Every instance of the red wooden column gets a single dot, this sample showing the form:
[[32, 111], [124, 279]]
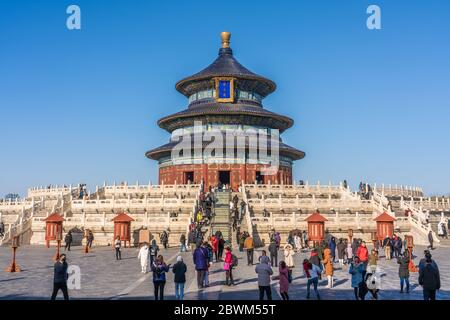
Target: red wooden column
[[53, 228], [122, 228], [316, 227], [385, 226]]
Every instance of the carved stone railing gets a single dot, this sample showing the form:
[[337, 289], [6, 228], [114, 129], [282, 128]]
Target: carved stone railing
[[49, 192]]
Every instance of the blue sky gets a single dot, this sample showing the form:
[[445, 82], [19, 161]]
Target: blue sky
[[81, 106]]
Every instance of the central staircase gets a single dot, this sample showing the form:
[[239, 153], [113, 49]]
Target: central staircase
[[221, 220]]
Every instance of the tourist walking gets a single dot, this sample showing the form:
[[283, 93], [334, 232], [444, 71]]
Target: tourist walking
[[249, 246], [273, 253], [298, 242], [284, 280], [289, 259], [143, 257], [387, 247], [164, 238], [183, 243], [430, 240], [305, 239], [332, 247], [349, 253], [2, 229], [341, 252], [90, 239], [153, 251], [277, 237], [159, 269], [403, 271], [328, 265], [242, 241], [228, 265], [209, 252], [373, 261], [68, 239], [179, 269], [357, 271], [264, 272], [363, 255], [221, 244], [312, 273], [429, 279], [200, 257], [60, 277], [215, 247], [117, 247]]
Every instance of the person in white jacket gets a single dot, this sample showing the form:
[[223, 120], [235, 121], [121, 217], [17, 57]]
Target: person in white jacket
[[289, 259], [143, 256]]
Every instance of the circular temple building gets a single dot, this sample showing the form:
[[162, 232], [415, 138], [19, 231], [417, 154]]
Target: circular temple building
[[225, 98]]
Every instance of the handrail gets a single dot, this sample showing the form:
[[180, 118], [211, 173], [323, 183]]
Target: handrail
[[418, 218], [21, 225], [247, 211]]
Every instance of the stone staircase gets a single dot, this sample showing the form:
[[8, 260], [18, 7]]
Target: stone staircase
[[435, 218], [221, 220]]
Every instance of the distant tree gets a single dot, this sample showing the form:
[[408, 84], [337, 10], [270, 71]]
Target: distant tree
[[12, 196]]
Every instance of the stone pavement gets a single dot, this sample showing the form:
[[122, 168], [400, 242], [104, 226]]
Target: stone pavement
[[102, 277]]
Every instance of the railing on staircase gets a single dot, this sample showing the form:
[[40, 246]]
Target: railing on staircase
[[418, 218], [22, 224], [381, 203], [247, 211], [194, 209]]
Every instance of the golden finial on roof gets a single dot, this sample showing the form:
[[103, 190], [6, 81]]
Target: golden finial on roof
[[225, 39]]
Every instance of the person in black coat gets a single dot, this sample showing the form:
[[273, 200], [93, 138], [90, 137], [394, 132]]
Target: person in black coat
[[403, 271], [273, 253], [68, 240], [429, 279], [430, 240], [179, 269], [60, 277]]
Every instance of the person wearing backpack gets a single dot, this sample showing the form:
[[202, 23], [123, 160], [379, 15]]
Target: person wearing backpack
[[228, 267], [159, 268], [403, 271], [429, 278]]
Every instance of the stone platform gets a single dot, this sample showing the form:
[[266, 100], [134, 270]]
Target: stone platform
[[102, 277]]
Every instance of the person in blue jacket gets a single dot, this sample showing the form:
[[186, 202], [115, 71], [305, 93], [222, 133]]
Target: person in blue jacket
[[201, 262], [357, 271], [332, 247]]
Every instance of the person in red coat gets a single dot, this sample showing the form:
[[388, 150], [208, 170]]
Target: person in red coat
[[363, 255], [215, 247], [228, 267]]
